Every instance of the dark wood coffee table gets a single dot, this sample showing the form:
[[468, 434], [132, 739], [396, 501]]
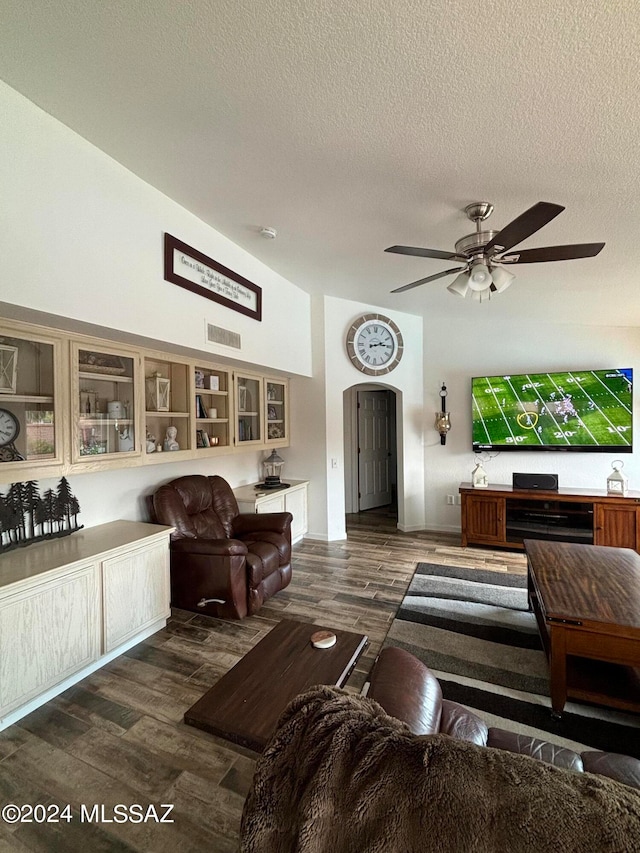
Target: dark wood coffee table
[[245, 704], [586, 599]]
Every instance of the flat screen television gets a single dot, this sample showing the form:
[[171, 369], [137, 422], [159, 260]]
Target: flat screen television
[[581, 410]]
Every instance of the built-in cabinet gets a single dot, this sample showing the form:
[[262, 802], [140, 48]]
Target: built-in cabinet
[[69, 605], [503, 516], [292, 499], [31, 402], [71, 403]]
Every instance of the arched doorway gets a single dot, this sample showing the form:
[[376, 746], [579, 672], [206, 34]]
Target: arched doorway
[[370, 449]]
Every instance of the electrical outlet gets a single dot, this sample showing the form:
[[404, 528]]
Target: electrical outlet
[[450, 500]]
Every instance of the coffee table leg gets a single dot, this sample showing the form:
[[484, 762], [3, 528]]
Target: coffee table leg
[[558, 671]]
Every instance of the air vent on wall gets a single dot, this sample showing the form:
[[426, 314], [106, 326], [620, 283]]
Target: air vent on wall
[[217, 335]]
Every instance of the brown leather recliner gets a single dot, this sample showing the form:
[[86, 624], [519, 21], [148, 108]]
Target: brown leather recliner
[[223, 563]]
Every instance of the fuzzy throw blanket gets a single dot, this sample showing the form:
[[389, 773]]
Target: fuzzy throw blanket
[[341, 776]]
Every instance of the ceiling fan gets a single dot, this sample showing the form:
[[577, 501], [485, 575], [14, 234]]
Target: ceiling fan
[[484, 252]]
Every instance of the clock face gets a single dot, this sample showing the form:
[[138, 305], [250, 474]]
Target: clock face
[[374, 344], [9, 427]]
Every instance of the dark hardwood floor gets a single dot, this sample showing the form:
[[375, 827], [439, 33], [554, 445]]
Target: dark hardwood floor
[[118, 737]]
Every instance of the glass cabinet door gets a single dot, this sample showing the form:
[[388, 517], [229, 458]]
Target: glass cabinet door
[[277, 411], [105, 403], [249, 409], [30, 432]]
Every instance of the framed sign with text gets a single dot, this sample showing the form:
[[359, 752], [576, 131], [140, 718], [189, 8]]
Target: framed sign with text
[[189, 268]]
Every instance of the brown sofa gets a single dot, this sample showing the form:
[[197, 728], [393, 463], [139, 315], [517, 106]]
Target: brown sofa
[[223, 563], [409, 691], [340, 775]]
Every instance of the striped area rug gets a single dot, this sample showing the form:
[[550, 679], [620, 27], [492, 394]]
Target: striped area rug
[[473, 629]]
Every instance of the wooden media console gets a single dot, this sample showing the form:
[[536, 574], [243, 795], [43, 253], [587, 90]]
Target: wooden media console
[[504, 517]]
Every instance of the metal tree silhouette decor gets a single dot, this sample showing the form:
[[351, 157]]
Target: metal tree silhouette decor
[[26, 516]]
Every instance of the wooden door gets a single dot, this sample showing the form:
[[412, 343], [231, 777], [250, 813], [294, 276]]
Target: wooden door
[[616, 525], [374, 449]]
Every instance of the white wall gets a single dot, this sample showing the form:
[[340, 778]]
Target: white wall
[[307, 455], [405, 380], [83, 238], [109, 495], [465, 349]]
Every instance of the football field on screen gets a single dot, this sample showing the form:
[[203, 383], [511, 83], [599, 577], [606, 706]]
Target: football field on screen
[[580, 408]]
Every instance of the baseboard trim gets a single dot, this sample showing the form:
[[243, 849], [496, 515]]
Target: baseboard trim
[[429, 528]]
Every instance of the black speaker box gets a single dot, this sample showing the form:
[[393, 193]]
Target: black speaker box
[[548, 482]]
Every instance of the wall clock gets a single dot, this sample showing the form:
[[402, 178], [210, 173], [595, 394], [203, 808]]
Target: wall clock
[[374, 344], [9, 431]]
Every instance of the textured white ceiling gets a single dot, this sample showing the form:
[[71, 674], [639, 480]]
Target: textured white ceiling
[[350, 127]]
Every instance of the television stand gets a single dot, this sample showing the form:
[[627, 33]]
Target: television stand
[[503, 517]]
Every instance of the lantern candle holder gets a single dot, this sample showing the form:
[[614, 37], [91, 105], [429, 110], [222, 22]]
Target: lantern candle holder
[[617, 483], [272, 466]]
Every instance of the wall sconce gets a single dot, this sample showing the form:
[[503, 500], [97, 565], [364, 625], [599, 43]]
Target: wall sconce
[[443, 422]]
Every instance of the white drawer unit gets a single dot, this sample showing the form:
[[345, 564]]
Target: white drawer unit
[[293, 500], [70, 605]]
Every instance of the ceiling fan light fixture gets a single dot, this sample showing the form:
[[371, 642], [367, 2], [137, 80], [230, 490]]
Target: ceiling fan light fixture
[[460, 284], [479, 277], [501, 278], [484, 272]]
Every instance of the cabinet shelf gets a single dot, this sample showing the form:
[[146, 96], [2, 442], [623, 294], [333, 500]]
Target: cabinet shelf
[[105, 421], [210, 392], [25, 398], [166, 414], [105, 377]]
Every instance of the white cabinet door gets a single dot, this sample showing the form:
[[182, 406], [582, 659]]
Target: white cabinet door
[[135, 592], [295, 502], [48, 632]]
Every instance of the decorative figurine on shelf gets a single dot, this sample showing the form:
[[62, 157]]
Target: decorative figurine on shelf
[[479, 479], [170, 442], [151, 442]]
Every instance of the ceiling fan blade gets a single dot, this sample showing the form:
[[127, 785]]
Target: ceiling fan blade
[[427, 279], [426, 253], [552, 253], [523, 226]]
